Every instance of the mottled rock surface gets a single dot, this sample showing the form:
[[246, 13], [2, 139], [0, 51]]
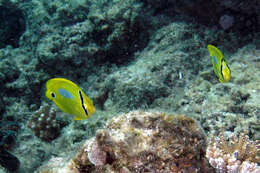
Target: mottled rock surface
[[128, 54], [140, 142], [12, 25]]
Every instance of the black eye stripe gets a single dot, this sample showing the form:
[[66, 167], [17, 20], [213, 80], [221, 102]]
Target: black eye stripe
[[53, 95], [82, 103]]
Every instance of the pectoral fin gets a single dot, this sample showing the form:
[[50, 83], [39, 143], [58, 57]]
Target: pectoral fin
[[77, 118]]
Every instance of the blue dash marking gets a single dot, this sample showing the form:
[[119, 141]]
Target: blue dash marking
[[215, 60], [65, 93]]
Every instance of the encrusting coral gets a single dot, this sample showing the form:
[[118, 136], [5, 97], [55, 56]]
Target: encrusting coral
[[139, 142], [239, 155], [44, 124]]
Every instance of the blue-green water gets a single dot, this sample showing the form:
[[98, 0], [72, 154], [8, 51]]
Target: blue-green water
[[125, 55]]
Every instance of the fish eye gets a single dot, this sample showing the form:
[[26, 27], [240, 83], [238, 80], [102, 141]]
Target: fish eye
[[52, 95]]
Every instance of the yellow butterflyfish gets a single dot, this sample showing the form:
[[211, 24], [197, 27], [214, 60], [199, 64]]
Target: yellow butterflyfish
[[69, 98], [220, 65]]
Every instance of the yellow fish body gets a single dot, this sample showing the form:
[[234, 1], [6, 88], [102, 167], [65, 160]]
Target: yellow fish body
[[220, 65], [69, 98]]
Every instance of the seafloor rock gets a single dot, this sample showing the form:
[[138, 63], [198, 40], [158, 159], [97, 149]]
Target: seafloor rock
[[239, 15], [161, 70], [8, 131], [89, 31], [231, 107], [12, 25], [9, 71], [139, 142], [8, 161]]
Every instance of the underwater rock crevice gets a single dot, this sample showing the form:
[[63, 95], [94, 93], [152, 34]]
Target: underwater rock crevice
[[12, 25], [8, 131]]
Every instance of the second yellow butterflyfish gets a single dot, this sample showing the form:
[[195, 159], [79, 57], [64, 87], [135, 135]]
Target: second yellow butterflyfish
[[220, 64], [69, 98]]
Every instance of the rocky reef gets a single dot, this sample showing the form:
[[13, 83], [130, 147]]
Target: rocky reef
[[12, 24], [139, 142], [8, 133], [126, 55], [237, 155], [236, 15], [230, 107]]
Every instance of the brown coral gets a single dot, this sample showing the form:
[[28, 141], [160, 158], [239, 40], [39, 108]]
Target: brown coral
[[141, 142], [44, 124]]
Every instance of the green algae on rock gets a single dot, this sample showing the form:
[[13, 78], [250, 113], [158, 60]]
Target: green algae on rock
[[139, 142], [232, 107], [12, 24]]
